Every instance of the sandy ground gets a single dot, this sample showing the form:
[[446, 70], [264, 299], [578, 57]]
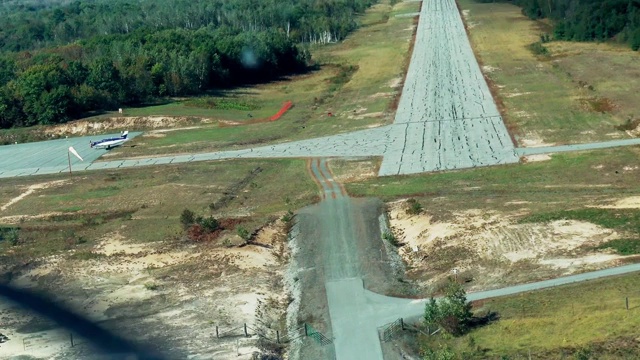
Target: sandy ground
[[632, 202], [492, 244], [88, 127], [171, 296], [538, 157]]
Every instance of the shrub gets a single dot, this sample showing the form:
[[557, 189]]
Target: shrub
[[538, 49], [187, 218], [13, 237], [388, 236], [244, 233], [414, 207], [287, 217], [151, 286], [209, 224], [453, 313]]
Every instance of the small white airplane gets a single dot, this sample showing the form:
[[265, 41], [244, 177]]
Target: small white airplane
[[109, 143]]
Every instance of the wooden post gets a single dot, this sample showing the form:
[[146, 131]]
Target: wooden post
[[306, 332], [71, 338], [245, 330], [627, 302], [69, 158], [402, 324], [277, 336], [217, 334]]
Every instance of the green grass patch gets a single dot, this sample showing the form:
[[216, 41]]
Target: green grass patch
[[144, 204], [555, 323], [566, 181], [219, 103], [95, 193], [617, 219], [622, 246]]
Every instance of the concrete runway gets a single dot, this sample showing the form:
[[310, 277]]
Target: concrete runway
[[446, 117], [49, 157], [446, 120]]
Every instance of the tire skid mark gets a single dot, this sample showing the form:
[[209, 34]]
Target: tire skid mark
[[315, 178]]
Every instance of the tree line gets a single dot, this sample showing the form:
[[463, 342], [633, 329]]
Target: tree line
[[130, 52], [26, 27], [588, 20], [58, 84]]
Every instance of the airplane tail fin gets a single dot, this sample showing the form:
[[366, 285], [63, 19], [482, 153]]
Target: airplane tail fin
[[124, 134]]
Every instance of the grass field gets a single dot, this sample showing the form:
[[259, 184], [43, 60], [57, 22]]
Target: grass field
[[566, 181], [577, 93], [560, 323], [145, 204]]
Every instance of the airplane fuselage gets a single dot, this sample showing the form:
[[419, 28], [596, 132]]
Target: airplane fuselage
[[110, 143]]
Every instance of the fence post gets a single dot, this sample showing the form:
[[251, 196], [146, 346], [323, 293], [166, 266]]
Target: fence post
[[402, 324], [626, 299], [277, 336], [217, 334], [306, 332], [245, 330], [71, 338]]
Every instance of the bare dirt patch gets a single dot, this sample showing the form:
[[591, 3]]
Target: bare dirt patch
[[366, 115], [397, 82], [533, 140], [170, 294], [489, 68], [492, 244], [598, 104], [632, 202], [88, 127], [631, 127], [538, 157], [345, 171]]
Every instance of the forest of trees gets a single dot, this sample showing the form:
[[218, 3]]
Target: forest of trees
[[61, 59], [588, 20]]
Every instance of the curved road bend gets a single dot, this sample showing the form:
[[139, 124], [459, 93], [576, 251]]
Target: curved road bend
[[355, 312]]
